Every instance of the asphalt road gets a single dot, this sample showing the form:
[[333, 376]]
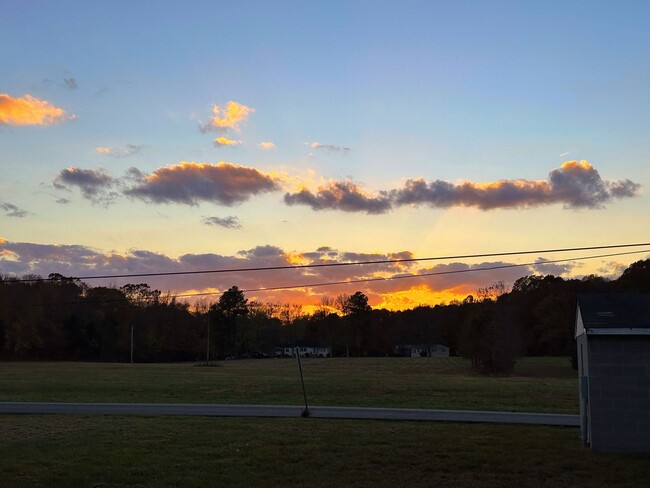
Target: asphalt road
[[289, 411]]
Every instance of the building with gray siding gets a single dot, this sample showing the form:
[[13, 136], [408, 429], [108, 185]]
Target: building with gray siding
[[613, 340]]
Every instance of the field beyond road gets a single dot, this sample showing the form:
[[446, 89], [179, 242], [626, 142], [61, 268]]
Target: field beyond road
[[537, 384]]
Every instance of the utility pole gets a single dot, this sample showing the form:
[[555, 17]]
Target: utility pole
[[305, 412], [207, 353]]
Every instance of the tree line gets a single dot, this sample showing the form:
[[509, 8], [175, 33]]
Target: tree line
[[63, 318]]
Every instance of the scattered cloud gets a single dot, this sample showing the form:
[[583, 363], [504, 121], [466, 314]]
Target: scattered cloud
[[95, 185], [340, 195], [228, 117], [542, 266], [190, 183], [224, 141], [13, 211], [612, 269], [266, 145], [102, 92], [28, 110], [119, 152], [70, 83], [327, 147], [62, 201], [227, 222]]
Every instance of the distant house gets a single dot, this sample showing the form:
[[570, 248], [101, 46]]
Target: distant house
[[274, 352], [422, 351], [308, 349], [613, 339]]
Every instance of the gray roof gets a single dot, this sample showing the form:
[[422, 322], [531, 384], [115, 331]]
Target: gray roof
[[615, 310]]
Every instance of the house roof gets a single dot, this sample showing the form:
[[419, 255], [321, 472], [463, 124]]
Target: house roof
[[614, 313]]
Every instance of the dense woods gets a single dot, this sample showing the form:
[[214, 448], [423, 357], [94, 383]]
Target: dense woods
[[62, 318]]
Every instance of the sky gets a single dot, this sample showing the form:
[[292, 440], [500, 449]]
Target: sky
[[152, 137]]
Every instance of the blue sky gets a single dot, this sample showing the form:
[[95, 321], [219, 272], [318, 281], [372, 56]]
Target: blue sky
[[454, 92]]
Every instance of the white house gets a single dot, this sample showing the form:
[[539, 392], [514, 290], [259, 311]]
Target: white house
[[308, 349], [422, 351]]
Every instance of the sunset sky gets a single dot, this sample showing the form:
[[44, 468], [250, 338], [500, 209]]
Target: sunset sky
[[149, 136]]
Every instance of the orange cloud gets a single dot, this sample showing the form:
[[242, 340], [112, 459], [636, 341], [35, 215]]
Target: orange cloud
[[28, 110], [266, 145], [224, 141], [415, 296], [227, 118]]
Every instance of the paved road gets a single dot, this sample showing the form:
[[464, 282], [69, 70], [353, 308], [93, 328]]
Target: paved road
[[290, 411]]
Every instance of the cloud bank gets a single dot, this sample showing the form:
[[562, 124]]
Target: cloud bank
[[412, 283], [28, 110], [575, 185], [449, 279]]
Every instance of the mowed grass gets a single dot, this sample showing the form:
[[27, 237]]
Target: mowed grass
[[537, 384], [165, 451], [59, 451]]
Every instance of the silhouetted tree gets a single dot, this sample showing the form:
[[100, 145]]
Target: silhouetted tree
[[224, 315], [636, 277], [357, 315], [490, 338]]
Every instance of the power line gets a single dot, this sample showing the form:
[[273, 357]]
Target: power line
[[349, 282], [355, 263], [436, 273]]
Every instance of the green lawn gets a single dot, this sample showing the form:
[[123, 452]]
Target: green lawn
[[147, 451], [538, 384], [60, 451]]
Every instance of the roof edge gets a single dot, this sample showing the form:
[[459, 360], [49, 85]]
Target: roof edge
[[618, 331]]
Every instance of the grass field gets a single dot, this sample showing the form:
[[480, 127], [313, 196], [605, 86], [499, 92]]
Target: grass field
[[108, 451], [147, 451], [538, 384]]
